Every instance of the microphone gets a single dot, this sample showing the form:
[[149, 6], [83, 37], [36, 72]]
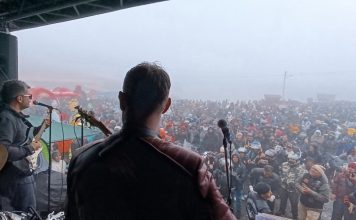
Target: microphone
[[42, 104], [225, 130]]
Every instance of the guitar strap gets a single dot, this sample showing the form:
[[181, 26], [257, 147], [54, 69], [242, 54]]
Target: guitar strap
[[29, 125]]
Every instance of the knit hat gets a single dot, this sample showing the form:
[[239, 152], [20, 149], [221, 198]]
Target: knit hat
[[319, 168]]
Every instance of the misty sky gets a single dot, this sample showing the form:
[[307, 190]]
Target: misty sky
[[212, 49]]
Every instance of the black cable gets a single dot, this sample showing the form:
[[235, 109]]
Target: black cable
[[62, 179]]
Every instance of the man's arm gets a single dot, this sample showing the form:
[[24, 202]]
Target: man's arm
[[323, 194], [7, 133]]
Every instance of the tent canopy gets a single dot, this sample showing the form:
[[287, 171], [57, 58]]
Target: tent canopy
[[69, 131]]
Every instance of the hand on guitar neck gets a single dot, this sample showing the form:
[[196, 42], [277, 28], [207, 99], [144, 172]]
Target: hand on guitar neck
[[47, 122]]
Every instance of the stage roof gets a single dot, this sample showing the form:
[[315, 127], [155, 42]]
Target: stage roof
[[22, 14]]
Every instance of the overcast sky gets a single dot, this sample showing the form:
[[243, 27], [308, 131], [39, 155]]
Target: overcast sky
[[212, 49]]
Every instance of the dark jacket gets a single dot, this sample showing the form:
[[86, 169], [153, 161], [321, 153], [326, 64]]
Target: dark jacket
[[134, 175], [257, 176], [261, 204], [238, 174], [320, 188], [16, 135], [13, 133], [16, 179]]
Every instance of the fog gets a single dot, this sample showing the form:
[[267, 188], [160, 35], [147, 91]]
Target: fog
[[228, 49]]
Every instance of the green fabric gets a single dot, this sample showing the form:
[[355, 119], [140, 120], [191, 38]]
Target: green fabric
[[68, 130], [44, 149]]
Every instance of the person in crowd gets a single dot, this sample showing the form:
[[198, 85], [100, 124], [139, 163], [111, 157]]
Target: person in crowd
[[257, 200], [352, 196], [308, 163], [220, 177], [242, 155], [17, 184], [141, 176], [193, 135], [239, 173], [315, 192], [210, 161], [211, 141], [341, 187], [266, 175], [290, 172], [239, 140], [270, 156], [317, 138], [314, 153], [351, 157], [329, 145], [305, 124], [58, 164], [254, 154]]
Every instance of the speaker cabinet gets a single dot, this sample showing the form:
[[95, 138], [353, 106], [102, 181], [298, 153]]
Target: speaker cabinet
[[8, 57]]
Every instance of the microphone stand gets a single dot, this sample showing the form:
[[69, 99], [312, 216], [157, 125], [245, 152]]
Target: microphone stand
[[50, 110], [227, 171], [230, 186], [82, 131]]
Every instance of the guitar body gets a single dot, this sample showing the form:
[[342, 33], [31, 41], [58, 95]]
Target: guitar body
[[32, 159], [23, 166], [28, 165]]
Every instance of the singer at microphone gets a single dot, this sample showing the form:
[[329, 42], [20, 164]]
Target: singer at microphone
[[42, 104], [225, 130]]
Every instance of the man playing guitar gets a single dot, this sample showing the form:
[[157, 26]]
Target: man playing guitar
[[17, 187]]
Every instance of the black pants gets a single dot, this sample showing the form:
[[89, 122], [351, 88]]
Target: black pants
[[19, 195], [293, 199]]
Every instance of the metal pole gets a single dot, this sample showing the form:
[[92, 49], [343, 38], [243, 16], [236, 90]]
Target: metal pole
[[284, 85], [49, 160]]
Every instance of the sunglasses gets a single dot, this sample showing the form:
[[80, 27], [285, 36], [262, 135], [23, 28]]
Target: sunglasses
[[29, 96]]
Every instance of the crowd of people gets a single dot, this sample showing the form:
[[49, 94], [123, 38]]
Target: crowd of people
[[301, 153], [272, 142], [306, 153]]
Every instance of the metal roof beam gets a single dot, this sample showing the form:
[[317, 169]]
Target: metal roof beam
[[44, 20], [60, 15], [100, 6], [27, 21], [76, 10], [45, 10]]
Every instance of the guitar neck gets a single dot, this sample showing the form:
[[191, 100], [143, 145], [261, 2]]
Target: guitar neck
[[40, 132], [104, 129], [93, 121]]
